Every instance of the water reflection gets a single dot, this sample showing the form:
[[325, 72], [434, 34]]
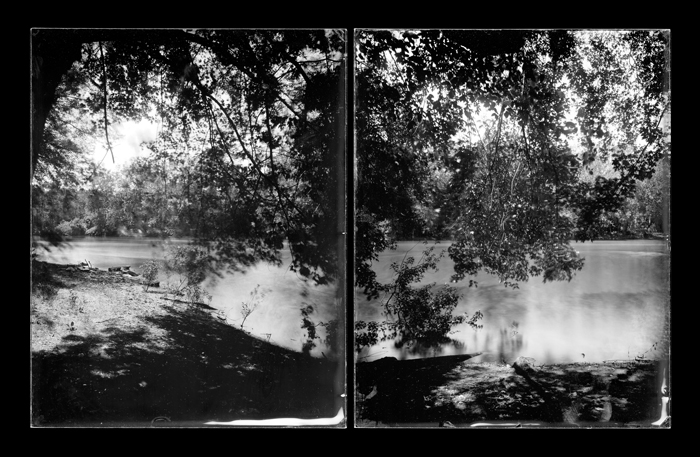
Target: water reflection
[[416, 349], [614, 308], [276, 317]]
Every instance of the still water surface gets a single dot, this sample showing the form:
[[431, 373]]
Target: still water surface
[[613, 309], [278, 315]]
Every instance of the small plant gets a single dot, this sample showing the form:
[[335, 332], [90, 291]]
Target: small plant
[[196, 293], [256, 296], [150, 273]]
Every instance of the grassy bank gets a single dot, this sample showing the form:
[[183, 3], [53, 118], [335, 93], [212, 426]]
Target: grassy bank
[[106, 352]]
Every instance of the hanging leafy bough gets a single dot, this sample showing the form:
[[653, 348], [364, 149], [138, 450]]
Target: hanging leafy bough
[[420, 315], [482, 137], [332, 328]]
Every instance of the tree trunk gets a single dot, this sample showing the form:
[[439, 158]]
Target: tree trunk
[[53, 53]]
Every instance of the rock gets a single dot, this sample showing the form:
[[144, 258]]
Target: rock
[[607, 412], [526, 363], [372, 394]]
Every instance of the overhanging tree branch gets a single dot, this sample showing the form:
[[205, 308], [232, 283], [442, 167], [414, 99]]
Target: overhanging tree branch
[[250, 157], [104, 105]]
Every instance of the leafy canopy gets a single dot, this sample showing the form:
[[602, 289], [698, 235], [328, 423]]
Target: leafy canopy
[[250, 127], [482, 137]]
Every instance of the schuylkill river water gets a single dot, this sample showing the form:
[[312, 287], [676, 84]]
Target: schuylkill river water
[[613, 309], [278, 315]]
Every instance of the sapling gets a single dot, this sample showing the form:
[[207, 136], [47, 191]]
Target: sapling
[[256, 296]]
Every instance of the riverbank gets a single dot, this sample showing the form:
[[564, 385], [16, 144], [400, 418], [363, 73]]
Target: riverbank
[[456, 392], [106, 352]]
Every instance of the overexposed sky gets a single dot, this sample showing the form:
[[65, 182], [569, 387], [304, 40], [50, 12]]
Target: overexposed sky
[[126, 143]]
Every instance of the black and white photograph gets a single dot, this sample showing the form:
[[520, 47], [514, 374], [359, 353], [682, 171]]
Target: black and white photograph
[[512, 228], [350, 228], [188, 227]]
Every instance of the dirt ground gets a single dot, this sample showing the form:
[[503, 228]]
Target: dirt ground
[[105, 352], [454, 392]]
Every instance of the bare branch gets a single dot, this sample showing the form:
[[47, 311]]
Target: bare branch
[[104, 106]]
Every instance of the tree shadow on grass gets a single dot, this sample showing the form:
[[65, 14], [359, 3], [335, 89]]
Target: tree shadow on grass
[[44, 280], [185, 366], [431, 391]]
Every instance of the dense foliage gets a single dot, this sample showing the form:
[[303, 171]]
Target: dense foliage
[[414, 314], [250, 144], [508, 143], [491, 138]]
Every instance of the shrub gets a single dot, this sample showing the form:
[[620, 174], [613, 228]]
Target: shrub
[[196, 293], [75, 227], [150, 273]]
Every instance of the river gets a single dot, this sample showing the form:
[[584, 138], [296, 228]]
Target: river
[[613, 308], [277, 318]]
